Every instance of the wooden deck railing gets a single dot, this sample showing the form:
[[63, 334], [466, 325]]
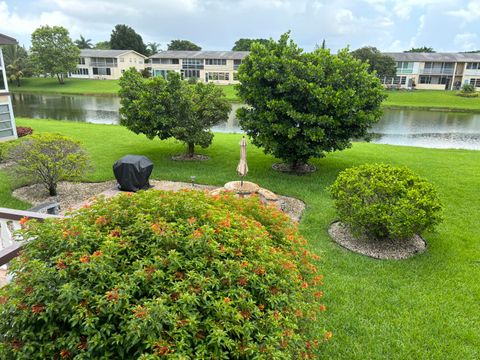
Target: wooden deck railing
[[10, 244]]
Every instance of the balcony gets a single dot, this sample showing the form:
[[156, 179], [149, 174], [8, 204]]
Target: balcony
[[102, 64], [436, 71]]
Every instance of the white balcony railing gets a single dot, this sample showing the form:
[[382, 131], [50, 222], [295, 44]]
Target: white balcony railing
[[436, 71]]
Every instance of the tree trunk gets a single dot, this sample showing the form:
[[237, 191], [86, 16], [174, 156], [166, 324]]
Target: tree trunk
[[18, 82], [295, 165], [190, 149], [52, 189], [60, 78]]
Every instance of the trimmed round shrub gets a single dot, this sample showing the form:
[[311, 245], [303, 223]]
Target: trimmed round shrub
[[157, 274], [385, 202]]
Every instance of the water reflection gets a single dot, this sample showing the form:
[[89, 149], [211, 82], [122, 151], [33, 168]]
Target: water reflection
[[433, 129]]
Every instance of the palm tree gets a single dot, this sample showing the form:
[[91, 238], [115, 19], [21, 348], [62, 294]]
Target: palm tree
[[83, 43], [153, 48], [17, 64]]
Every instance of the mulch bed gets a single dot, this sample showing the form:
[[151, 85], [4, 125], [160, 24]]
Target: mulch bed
[[378, 249], [287, 168], [195, 157]]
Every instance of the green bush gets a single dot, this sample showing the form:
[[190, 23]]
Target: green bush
[[4, 147], [182, 275], [385, 202], [468, 90], [47, 159]]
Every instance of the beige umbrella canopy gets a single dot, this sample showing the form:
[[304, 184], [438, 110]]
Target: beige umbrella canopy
[[242, 168]]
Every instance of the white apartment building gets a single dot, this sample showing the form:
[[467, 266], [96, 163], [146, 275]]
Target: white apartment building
[[107, 64], [219, 67], [8, 130], [435, 71]]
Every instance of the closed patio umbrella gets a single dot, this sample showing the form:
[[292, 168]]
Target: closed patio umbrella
[[242, 168]]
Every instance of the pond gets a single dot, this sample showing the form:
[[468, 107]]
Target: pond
[[434, 129]]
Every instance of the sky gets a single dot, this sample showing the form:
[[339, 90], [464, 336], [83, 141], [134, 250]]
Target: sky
[[389, 25]]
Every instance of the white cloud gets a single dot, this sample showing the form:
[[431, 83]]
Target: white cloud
[[470, 13], [466, 41]]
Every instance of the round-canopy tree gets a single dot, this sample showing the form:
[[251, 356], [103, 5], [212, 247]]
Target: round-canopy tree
[[172, 108], [301, 105]]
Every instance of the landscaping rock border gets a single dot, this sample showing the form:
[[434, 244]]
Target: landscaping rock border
[[286, 168], [195, 157], [384, 250]]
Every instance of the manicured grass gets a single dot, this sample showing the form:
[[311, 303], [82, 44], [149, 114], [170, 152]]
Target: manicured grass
[[230, 93], [71, 86], [422, 308], [431, 99]]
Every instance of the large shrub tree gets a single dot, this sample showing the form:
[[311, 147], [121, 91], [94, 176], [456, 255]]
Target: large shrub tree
[[83, 43], [172, 108], [17, 63], [301, 105], [123, 37], [164, 275], [53, 51], [183, 45], [47, 159], [382, 64], [244, 44]]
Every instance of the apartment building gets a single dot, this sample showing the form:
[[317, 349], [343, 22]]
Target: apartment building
[[8, 130], [435, 71], [219, 67], [107, 64]]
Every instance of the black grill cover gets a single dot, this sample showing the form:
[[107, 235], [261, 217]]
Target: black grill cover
[[132, 172]]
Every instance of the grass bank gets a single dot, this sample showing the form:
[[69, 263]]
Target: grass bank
[[422, 308]]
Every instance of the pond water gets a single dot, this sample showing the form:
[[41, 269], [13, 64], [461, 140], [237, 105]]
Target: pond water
[[434, 129]]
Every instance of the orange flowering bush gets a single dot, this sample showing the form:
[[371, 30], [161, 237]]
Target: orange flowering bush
[[164, 275]]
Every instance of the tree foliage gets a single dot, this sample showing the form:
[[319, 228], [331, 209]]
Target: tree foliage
[[384, 65], [174, 275], [183, 45], [17, 63], [153, 48], [172, 108], [103, 45], [123, 37], [83, 43], [47, 159], [245, 44], [423, 49], [53, 52], [301, 105]]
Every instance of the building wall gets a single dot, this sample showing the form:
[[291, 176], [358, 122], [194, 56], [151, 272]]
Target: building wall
[[8, 130], [124, 62]]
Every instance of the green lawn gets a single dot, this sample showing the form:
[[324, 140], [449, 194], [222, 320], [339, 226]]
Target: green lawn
[[431, 99], [71, 86], [426, 307]]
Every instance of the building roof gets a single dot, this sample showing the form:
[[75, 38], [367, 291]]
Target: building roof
[[106, 53], [229, 55], [443, 57], [7, 40]]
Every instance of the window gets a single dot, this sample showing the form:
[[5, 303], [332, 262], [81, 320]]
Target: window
[[215, 62], [3, 86], [211, 76], [475, 82], [101, 71], [80, 71], [404, 67], [236, 64], [81, 61], [192, 64], [473, 66], [425, 79], [6, 128], [166, 61], [187, 74], [162, 73]]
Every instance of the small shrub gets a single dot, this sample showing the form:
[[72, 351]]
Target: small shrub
[[192, 80], [24, 131], [47, 159], [385, 202], [468, 90], [4, 148], [181, 275]]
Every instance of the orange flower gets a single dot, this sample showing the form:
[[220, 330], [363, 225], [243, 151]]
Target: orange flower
[[227, 300], [112, 295], [161, 349], [37, 309], [197, 234], [85, 259], [298, 313], [322, 307], [225, 223], [245, 314], [319, 294], [242, 281], [97, 253], [101, 220], [244, 264], [65, 354], [3, 299], [261, 307], [115, 233], [140, 312], [24, 220], [328, 335], [192, 220], [260, 271], [304, 285]]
